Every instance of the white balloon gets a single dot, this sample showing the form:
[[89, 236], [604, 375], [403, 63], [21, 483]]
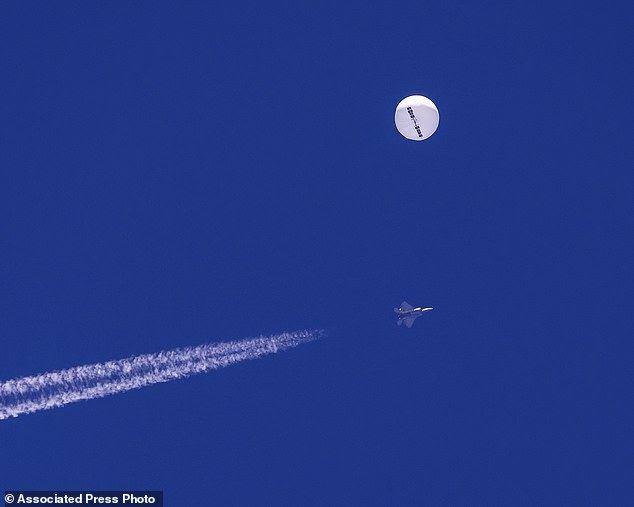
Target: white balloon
[[416, 117]]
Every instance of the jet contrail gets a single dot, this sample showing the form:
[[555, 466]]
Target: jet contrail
[[55, 389]]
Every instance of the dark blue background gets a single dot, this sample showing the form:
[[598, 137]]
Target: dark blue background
[[173, 174]]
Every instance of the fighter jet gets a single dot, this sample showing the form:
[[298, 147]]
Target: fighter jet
[[408, 314]]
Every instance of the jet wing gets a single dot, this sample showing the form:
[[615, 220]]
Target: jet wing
[[406, 307], [409, 321]]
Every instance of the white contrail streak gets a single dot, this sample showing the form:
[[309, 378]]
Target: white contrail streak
[[55, 389]]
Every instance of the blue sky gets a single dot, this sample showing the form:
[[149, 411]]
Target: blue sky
[[179, 174]]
